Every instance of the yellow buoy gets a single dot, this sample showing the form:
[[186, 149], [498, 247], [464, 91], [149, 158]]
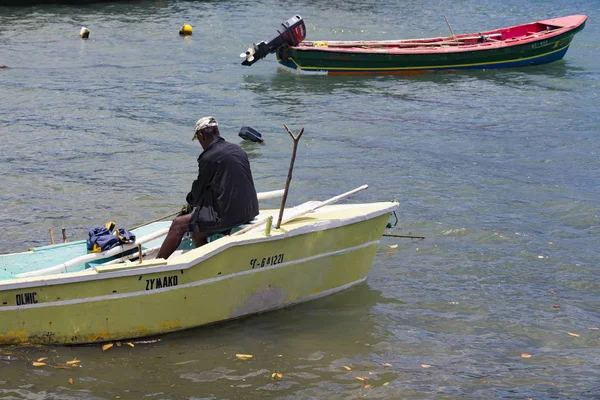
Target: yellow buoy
[[84, 33], [185, 30]]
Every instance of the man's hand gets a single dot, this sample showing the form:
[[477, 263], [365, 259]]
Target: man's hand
[[186, 209]]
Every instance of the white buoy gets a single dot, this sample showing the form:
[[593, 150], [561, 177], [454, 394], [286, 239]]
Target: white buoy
[[84, 33]]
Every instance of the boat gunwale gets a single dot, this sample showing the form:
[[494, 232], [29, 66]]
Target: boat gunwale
[[92, 274], [393, 49]]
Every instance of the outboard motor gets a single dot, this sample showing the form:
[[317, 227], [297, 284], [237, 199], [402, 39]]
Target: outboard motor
[[291, 32]]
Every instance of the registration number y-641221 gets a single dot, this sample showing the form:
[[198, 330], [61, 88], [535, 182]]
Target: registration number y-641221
[[266, 261]]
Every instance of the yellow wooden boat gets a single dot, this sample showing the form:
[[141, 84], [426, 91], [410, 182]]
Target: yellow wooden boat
[[61, 295]]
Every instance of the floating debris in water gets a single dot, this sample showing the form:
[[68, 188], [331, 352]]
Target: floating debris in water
[[148, 341], [251, 134]]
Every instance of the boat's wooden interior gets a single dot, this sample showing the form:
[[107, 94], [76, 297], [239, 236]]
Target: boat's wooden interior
[[519, 32]]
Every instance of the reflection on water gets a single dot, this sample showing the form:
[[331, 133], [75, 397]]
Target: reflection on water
[[306, 343], [284, 79], [293, 91]]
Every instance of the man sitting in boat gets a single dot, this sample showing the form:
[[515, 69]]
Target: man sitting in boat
[[222, 197]]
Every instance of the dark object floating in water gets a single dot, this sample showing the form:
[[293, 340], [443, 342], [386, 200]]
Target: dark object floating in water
[[248, 133]]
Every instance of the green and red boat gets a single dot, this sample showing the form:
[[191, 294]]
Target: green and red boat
[[534, 43]]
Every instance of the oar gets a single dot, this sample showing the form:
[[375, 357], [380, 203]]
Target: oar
[[156, 220], [399, 44], [405, 42], [273, 194], [301, 210], [451, 31], [64, 267], [291, 214]]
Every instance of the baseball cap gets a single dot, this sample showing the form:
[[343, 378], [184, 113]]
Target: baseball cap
[[203, 123]]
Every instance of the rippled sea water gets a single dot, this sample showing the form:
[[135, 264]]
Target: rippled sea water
[[498, 169]]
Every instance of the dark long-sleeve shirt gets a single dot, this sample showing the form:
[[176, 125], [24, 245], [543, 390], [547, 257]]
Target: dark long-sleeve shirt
[[223, 195]]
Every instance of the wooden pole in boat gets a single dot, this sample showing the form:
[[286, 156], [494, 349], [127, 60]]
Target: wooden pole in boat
[[140, 253], [403, 236], [296, 139], [295, 213], [51, 236], [451, 31]]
